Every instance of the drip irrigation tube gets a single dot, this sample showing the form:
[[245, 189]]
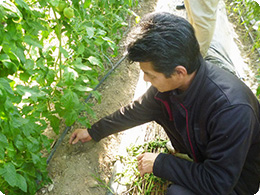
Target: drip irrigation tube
[[90, 95]]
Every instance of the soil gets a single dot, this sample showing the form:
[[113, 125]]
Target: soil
[[85, 169]]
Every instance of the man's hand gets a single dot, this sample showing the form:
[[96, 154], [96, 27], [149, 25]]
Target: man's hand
[[80, 135], [145, 162]]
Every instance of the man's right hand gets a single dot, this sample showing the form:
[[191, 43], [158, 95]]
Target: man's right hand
[[80, 135]]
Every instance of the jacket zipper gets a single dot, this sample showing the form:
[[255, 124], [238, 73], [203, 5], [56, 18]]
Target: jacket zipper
[[166, 104]]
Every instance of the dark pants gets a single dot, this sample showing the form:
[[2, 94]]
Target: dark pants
[[178, 190]]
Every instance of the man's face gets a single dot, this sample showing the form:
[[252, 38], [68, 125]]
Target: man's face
[[158, 80]]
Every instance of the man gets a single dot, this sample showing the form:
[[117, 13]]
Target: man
[[206, 112]]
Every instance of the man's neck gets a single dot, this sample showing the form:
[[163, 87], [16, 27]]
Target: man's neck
[[187, 82]]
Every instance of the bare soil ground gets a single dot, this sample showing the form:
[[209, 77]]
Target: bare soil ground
[[85, 169]]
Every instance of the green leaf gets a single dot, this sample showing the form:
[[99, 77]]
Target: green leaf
[[81, 49], [64, 52], [10, 66], [82, 66], [90, 32], [9, 174], [69, 77], [25, 76], [258, 91], [18, 142], [12, 10], [2, 153], [93, 60], [6, 86], [69, 99], [99, 23], [33, 145], [46, 142], [33, 93], [70, 117], [97, 96], [21, 182], [111, 43], [87, 3], [20, 54], [3, 96], [3, 141], [54, 3], [22, 4], [55, 123], [4, 57], [11, 152], [50, 76], [101, 32], [29, 64], [90, 111], [83, 88], [30, 41], [35, 158], [99, 41], [17, 121]]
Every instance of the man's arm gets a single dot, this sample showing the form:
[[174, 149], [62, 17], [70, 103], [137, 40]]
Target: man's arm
[[143, 110]]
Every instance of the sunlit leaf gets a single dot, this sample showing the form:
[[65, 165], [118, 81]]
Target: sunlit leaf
[[90, 32], [83, 88], [82, 66], [93, 60]]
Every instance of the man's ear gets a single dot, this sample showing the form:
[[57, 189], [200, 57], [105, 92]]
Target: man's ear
[[181, 70]]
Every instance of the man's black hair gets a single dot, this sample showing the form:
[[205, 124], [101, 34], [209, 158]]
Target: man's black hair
[[166, 41]]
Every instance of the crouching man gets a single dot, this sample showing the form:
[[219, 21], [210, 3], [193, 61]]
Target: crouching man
[[206, 112]]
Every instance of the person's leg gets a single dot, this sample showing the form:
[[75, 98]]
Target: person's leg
[[202, 16], [178, 190]]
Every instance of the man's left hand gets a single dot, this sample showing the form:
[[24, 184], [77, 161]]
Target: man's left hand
[[145, 162]]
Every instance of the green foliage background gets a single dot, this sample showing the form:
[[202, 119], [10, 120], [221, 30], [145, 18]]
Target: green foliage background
[[249, 10], [50, 60]]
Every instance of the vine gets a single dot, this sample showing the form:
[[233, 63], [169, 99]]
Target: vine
[[52, 54]]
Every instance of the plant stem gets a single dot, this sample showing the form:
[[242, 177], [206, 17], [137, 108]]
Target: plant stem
[[59, 26]]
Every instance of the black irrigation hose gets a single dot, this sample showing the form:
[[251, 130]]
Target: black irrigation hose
[[90, 95]]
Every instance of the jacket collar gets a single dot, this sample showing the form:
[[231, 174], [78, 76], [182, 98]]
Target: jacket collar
[[188, 96]]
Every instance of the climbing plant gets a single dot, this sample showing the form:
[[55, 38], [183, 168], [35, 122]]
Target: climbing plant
[[52, 54]]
